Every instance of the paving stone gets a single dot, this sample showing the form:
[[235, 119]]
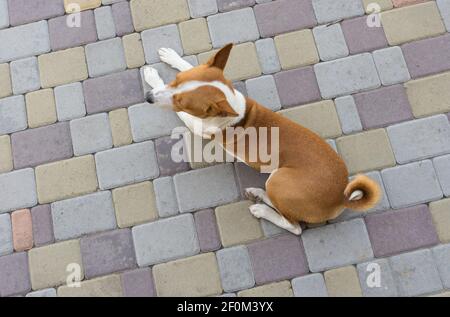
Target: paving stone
[[41, 108], [391, 66], [138, 283], [401, 3], [24, 41], [107, 253], [6, 159], [48, 292], [441, 165], [49, 264], [281, 289], [120, 127], [337, 245], [264, 91], [442, 257], [81, 5], [4, 14], [248, 177], [230, 5], [271, 230], [70, 102], [347, 75], [113, 91], [22, 230], [415, 273], [91, 134], [14, 276], [165, 36], [6, 243], [411, 184], [66, 179], [17, 190], [440, 212], [333, 10], [167, 165], [42, 225], [420, 139], [296, 49], [348, 115], [134, 51], [195, 36], [25, 75], [268, 56], [312, 285], [444, 8], [13, 115], [235, 269], [135, 204], [104, 22], [63, 67], [165, 240], [343, 282], [383, 5], [122, 17], [166, 199], [207, 231], [105, 57], [374, 285], [330, 42], [23, 12], [5, 79], [296, 15], [399, 30], [64, 35], [202, 8], [75, 217], [108, 286]]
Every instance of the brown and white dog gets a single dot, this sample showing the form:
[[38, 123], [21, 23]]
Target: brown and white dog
[[311, 182]]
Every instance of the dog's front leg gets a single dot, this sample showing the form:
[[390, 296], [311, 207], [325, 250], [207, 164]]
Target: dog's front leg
[[265, 212], [152, 78], [170, 57]]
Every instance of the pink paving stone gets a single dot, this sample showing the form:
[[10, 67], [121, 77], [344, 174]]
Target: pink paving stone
[[42, 225], [122, 18], [207, 232], [402, 3], [427, 57], [278, 259], [167, 166], [284, 16], [138, 283], [248, 177], [14, 275], [362, 38], [402, 230], [297, 86], [22, 229], [26, 11], [34, 147], [113, 91], [62, 36], [383, 106]]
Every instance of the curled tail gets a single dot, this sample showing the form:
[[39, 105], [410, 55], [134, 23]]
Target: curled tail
[[362, 194]]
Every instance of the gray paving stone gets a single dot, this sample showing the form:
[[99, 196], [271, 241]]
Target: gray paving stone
[[271, 230], [91, 134], [235, 269], [14, 275], [202, 8], [154, 39], [205, 188], [17, 190], [122, 18], [268, 56], [104, 22], [166, 199], [24, 11], [4, 16], [41, 217], [391, 66], [411, 184], [264, 91], [48, 292], [105, 57], [415, 273], [237, 26], [444, 8], [312, 285], [337, 245], [13, 115], [105, 2], [442, 167], [165, 240], [138, 283], [330, 42], [70, 102], [420, 139], [442, 257], [348, 115], [25, 75], [229, 5], [6, 243], [333, 10], [126, 165], [376, 279], [75, 217]]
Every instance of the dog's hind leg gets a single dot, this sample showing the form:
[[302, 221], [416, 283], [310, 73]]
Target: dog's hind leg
[[265, 212], [170, 57], [258, 195]]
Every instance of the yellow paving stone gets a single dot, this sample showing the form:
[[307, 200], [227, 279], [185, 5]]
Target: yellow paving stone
[[429, 95], [383, 5], [440, 211], [6, 161], [320, 117], [196, 276], [107, 286], [296, 49], [5, 81], [412, 23], [83, 4], [195, 36], [120, 127], [237, 225], [366, 151], [135, 204], [148, 14], [242, 64], [41, 108], [343, 282], [134, 51], [63, 67], [66, 179], [281, 289], [51, 265]]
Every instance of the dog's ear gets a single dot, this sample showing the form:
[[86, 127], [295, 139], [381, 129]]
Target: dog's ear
[[221, 58], [221, 108]]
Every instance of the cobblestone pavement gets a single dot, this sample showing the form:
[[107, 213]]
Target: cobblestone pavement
[[88, 188]]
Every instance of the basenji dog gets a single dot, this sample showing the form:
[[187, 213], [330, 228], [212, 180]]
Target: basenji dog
[[310, 183]]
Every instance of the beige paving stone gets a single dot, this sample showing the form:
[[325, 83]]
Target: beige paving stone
[[41, 108], [83, 4], [148, 14], [412, 23], [440, 211], [343, 282], [195, 276], [429, 95], [49, 264], [107, 286], [320, 117], [237, 225], [120, 127], [401, 3], [6, 161], [62, 67], [281, 289], [383, 5], [242, 64], [134, 51], [296, 49], [366, 151], [66, 179], [135, 204], [195, 36], [5, 81]]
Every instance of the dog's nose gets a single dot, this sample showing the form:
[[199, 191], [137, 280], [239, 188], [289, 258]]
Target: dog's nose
[[150, 97]]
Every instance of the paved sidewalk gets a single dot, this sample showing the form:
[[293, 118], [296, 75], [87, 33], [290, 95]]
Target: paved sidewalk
[[88, 188]]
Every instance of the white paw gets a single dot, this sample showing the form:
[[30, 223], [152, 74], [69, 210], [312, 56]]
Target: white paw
[[152, 78], [255, 194], [169, 56], [297, 230], [257, 211]]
